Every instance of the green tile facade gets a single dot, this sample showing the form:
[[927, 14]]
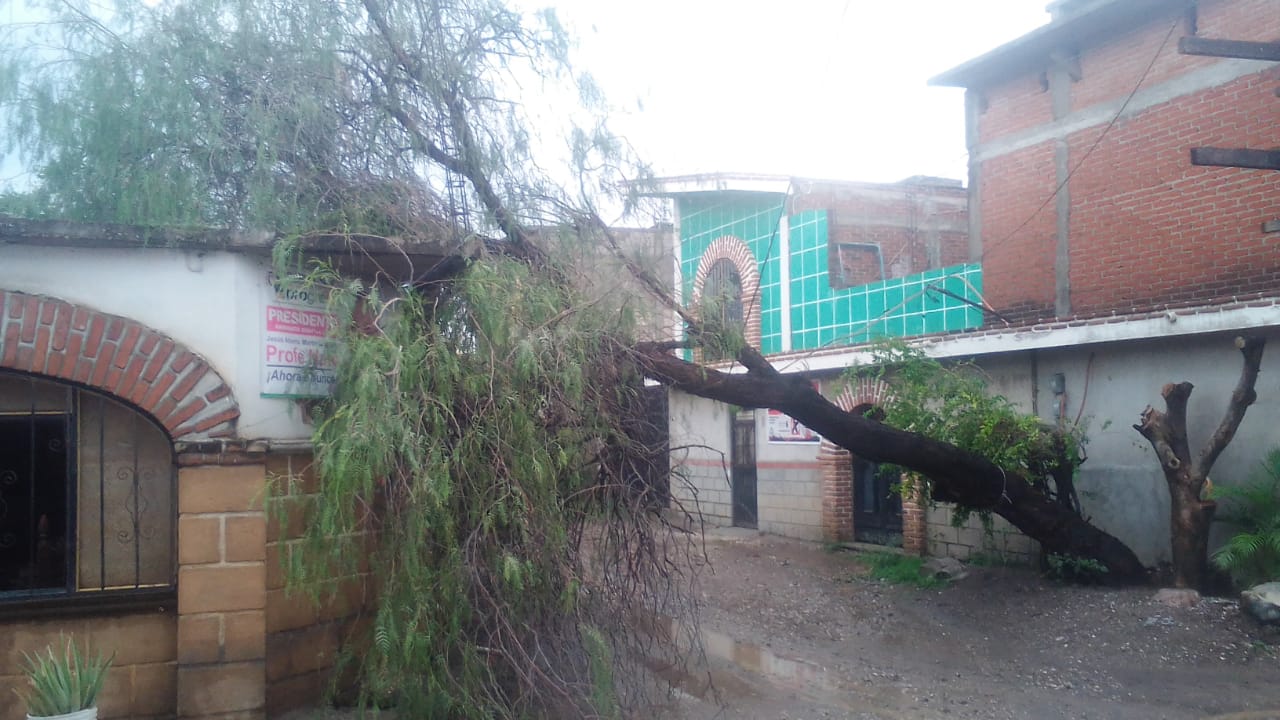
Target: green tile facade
[[752, 218], [820, 315]]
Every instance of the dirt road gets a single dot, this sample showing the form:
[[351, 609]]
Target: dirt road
[[794, 631]]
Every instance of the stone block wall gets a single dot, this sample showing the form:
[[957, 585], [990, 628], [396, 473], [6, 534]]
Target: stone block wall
[[303, 640], [142, 681], [1004, 543], [221, 589]]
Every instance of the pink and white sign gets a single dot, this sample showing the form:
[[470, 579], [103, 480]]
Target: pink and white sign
[[297, 355]]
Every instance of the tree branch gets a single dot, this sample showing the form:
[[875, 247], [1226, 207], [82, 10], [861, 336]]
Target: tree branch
[[1241, 398]]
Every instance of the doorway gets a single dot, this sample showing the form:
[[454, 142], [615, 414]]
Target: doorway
[[743, 469], [877, 504]]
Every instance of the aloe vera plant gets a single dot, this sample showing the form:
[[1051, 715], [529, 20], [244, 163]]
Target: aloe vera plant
[[63, 681]]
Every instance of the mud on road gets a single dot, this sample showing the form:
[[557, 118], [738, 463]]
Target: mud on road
[[794, 631]]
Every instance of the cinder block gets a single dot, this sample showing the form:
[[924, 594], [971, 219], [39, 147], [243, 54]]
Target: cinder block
[[199, 540], [155, 690], [224, 688], [199, 638], [218, 588], [244, 635], [219, 488], [246, 538]]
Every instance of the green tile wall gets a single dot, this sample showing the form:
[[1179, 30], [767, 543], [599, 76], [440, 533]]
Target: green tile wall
[[753, 218], [822, 316]]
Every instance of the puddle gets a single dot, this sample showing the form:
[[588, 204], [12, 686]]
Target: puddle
[[796, 675]]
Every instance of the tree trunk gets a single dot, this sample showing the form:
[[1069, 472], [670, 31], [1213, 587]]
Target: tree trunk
[[957, 475], [1190, 515]]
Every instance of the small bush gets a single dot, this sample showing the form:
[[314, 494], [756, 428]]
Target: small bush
[[1253, 555], [901, 570], [1070, 568]]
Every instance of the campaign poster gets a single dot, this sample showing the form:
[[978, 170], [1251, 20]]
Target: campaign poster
[[783, 428], [298, 359], [786, 429]]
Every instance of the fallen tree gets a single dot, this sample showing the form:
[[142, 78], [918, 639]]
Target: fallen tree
[[957, 475]]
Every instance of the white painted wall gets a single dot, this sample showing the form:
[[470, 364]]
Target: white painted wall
[[1122, 488], [788, 483], [211, 302], [1121, 485], [700, 457]]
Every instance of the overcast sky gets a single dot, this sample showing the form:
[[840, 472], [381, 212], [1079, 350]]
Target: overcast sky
[[810, 88]]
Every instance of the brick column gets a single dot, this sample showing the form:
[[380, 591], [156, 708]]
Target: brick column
[[837, 492], [222, 534], [913, 521]]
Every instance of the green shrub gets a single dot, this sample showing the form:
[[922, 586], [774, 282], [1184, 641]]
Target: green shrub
[[1252, 556], [1071, 568], [901, 570]]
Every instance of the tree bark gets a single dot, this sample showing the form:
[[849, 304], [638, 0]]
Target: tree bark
[[1190, 514], [957, 475]]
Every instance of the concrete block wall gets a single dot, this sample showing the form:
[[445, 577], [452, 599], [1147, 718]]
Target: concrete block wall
[[700, 457], [142, 681], [303, 639], [221, 590], [789, 497], [1004, 543]]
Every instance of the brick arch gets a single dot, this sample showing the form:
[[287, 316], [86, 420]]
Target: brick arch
[[47, 336], [837, 476], [728, 247]]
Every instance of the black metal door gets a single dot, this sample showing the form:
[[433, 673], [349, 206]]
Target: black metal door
[[877, 505], [743, 475]]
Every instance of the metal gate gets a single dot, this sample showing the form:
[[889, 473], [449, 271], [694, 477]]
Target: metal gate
[[743, 475], [877, 504]]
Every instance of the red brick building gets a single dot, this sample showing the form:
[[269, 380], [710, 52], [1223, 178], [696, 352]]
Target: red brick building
[[1101, 106]]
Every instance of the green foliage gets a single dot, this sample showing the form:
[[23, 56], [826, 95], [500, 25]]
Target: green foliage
[[901, 570], [476, 442], [63, 681], [1070, 568], [289, 116], [1252, 555], [952, 404]]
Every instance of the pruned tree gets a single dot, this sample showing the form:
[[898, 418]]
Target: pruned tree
[[1187, 474]]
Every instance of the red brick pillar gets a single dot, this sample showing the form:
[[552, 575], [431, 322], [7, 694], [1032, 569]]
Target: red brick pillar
[[222, 534], [913, 522], [837, 492]]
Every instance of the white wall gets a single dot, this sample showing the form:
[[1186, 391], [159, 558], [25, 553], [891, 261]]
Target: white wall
[[1122, 488], [788, 482], [700, 457], [213, 303]]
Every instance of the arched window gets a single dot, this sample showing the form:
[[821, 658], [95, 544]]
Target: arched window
[[722, 303], [87, 494]]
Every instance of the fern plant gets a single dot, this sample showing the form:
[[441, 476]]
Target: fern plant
[[1252, 556], [64, 681]]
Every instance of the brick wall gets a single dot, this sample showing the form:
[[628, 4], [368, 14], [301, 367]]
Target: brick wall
[[1146, 229], [142, 681], [1018, 236], [121, 357], [917, 226]]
